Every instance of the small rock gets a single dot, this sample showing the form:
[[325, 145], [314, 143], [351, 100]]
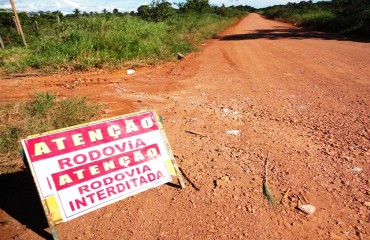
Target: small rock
[[307, 208], [367, 204], [233, 132], [226, 110], [225, 178], [180, 56], [130, 71], [250, 209], [356, 170]]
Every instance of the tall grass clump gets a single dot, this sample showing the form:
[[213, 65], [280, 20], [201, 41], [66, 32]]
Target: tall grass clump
[[98, 41], [12, 59], [44, 112], [189, 30]]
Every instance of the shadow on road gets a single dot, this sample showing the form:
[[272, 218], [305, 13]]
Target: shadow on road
[[19, 198], [291, 33]]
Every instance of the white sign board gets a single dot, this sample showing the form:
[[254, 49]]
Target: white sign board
[[83, 168]]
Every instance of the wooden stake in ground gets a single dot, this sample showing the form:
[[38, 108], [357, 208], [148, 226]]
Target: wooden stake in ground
[[1, 43], [18, 23], [37, 27]]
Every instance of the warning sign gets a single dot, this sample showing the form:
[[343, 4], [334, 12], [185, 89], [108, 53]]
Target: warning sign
[[83, 168]]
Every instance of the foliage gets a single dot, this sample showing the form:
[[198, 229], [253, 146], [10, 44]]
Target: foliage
[[73, 111], [199, 6], [42, 113], [42, 103], [81, 41], [349, 16], [157, 11]]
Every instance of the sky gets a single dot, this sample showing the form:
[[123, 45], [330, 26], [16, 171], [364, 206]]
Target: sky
[[67, 6]]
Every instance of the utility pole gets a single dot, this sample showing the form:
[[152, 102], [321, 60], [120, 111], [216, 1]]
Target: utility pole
[[18, 23]]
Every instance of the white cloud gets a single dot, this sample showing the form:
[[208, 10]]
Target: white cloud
[[69, 3]]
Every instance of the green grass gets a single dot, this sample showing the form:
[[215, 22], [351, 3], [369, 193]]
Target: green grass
[[5, 221], [307, 17], [101, 42], [44, 112], [12, 59], [336, 16]]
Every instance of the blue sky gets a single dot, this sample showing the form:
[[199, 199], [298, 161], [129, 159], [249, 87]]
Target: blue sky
[[67, 6]]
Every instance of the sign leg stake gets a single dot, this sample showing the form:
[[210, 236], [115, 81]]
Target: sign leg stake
[[49, 218], [178, 173], [53, 231]]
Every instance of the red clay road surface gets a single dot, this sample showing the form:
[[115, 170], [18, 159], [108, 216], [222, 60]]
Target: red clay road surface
[[301, 96]]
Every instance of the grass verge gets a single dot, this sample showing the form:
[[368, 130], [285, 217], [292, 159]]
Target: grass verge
[[44, 112], [336, 16], [101, 41]]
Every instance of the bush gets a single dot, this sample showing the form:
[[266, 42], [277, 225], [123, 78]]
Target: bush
[[42, 103], [73, 111], [346, 16]]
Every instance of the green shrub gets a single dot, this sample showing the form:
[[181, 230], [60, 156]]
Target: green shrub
[[74, 111], [42, 103], [346, 16]]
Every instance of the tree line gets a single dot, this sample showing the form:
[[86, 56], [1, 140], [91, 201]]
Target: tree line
[[346, 16]]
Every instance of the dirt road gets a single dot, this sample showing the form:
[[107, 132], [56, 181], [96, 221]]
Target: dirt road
[[302, 96]]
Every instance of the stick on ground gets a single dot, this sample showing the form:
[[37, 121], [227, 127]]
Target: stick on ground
[[266, 191]]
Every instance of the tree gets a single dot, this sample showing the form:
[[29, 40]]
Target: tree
[[144, 12], [115, 11], [57, 13], [200, 6], [156, 11], [355, 13], [161, 10], [77, 12]]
